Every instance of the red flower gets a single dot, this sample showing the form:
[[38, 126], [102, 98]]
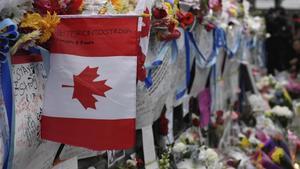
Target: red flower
[[163, 124], [220, 121], [139, 162], [141, 72], [186, 19], [209, 27], [220, 113], [179, 15], [170, 36], [195, 122], [52, 6], [159, 13], [74, 6], [146, 26], [171, 26], [248, 133], [200, 19], [47, 5]]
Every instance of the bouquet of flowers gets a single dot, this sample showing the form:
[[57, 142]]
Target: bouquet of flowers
[[280, 115]]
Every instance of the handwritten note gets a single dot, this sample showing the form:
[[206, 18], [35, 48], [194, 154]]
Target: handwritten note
[[159, 73], [144, 114], [29, 83], [150, 101]]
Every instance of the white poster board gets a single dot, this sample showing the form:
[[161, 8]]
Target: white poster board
[[29, 82]]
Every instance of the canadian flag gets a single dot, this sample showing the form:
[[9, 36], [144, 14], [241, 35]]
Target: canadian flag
[[90, 96]]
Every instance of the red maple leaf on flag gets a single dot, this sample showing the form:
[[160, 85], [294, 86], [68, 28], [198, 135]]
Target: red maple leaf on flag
[[85, 87]]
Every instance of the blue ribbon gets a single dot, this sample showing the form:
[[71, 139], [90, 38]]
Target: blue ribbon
[[183, 88], [252, 43], [232, 52], [159, 60], [9, 33], [219, 41]]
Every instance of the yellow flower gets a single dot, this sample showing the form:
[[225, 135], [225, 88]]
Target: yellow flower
[[46, 24], [31, 21], [259, 158], [169, 8], [233, 12], [277, 155], [49, 22], [260, 146], [118, 5], [245, 143], [268, 114], [287, 95], [24, 39]]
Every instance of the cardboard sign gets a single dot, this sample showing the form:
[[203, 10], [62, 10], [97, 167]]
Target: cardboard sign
[[144, 107], [29, 82]]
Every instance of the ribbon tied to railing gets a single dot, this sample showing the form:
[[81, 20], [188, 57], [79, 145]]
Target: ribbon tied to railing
[[237, 44], [159, 60], [219, 41], [8, 33]]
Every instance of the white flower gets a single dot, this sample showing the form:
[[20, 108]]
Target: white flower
[[257, 102], [254, 140], [210, 156], [179, 147], [259, 85], [190, 138], [282, 111], [15, 9], [185, 164], [278, 86]]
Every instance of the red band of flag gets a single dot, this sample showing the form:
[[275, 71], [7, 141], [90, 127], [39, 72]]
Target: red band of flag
[[114, 134], [20, 59]]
